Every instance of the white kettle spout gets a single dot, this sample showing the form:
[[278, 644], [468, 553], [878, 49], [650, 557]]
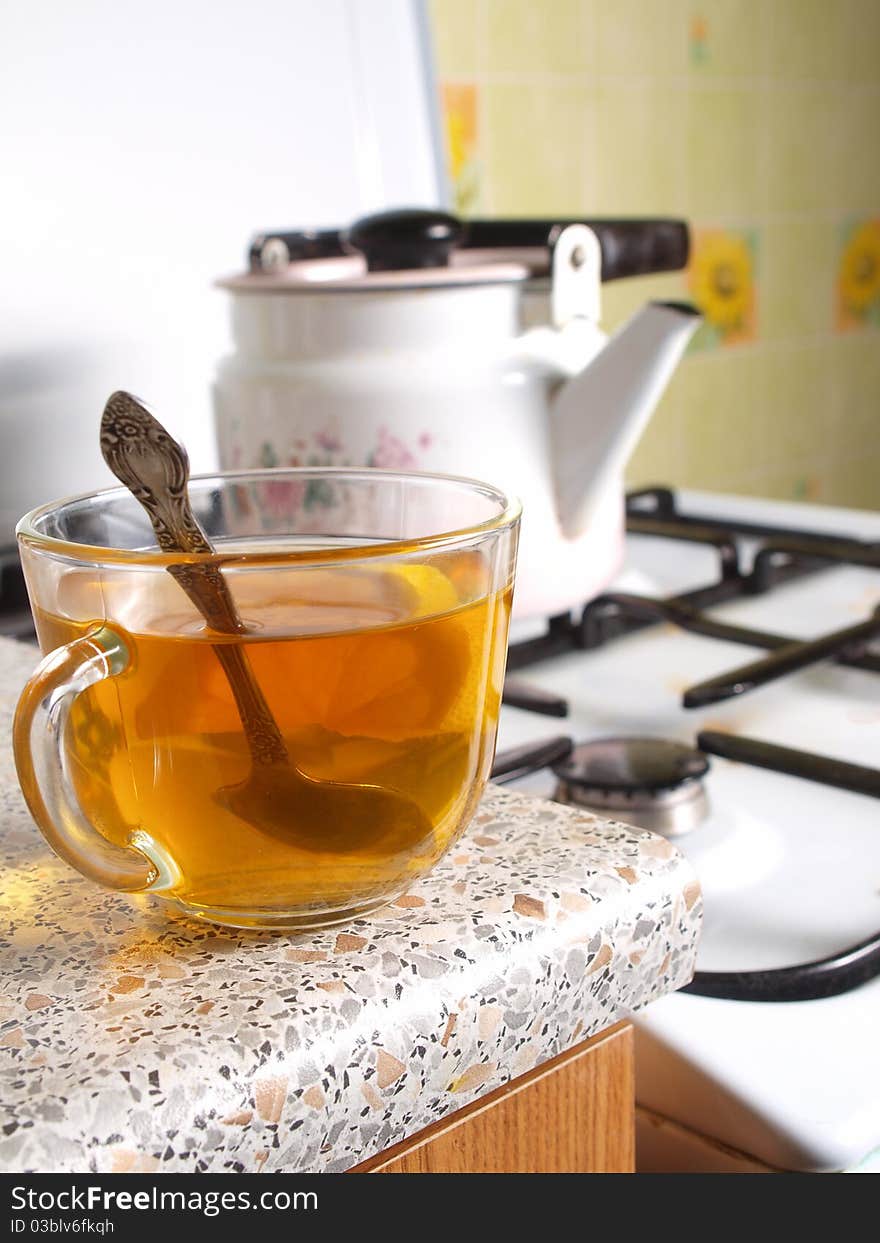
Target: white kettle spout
[[599, 415]]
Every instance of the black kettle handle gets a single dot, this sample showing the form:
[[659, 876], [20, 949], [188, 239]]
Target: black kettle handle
[[630, 247], [419, 238]]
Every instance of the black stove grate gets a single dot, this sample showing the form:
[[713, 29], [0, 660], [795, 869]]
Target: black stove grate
[[782, 555]]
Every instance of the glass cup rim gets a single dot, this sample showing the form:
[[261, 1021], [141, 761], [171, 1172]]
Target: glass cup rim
[[510, 512]]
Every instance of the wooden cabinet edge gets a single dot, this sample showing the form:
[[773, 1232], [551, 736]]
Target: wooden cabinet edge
[[593, 1086]]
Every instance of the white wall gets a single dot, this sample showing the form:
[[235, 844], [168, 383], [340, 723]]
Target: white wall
[[140, 147]]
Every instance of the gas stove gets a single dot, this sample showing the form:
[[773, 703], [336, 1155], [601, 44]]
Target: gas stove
[[726, 691]]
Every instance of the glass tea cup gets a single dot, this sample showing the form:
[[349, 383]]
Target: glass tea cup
[[375, 609]]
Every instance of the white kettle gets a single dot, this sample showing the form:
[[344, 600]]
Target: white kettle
[[415, 342]]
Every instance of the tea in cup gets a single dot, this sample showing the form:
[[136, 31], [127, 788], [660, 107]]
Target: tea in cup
[[375, 609]]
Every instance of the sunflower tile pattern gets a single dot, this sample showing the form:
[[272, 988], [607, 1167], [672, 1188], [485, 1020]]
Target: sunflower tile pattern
[[721, 281], [757, 122], [858, 279]]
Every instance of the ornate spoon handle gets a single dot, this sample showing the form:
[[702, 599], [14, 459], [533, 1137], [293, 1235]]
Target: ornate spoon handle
[[155, 469]]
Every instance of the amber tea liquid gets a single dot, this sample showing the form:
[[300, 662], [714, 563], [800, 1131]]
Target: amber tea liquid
[[383, 676]]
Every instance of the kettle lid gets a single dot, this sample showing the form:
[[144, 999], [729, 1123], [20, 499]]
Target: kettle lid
[[425, 248]]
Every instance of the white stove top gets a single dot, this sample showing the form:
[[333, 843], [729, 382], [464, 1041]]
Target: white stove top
[[790, 869]]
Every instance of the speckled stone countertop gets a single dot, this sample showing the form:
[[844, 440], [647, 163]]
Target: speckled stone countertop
[[135, 1040]]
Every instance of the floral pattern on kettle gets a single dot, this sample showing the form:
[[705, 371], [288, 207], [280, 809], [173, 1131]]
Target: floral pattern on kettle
[[285, 496], [392, 453], [323, 447]]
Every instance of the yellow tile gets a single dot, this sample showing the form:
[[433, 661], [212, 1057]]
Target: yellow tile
[[805, 39], [803, 131], [723, 152], [854, 481], [860, 39], [821, 420], [821, 148], [793, 481], [721, 423], [793, 383], [639, 149], [725, 37], [853, 412], [634, 38], [536, 147], [798, 257], [621, 299], [453, 25], [856, 163], [533, 36]]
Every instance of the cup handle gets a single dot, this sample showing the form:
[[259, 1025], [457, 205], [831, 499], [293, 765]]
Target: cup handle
[[39, 742]]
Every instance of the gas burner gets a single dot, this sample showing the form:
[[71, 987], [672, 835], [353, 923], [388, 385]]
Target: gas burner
[[650, 782]]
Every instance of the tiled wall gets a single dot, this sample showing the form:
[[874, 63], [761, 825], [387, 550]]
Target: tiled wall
[[759, 121]]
